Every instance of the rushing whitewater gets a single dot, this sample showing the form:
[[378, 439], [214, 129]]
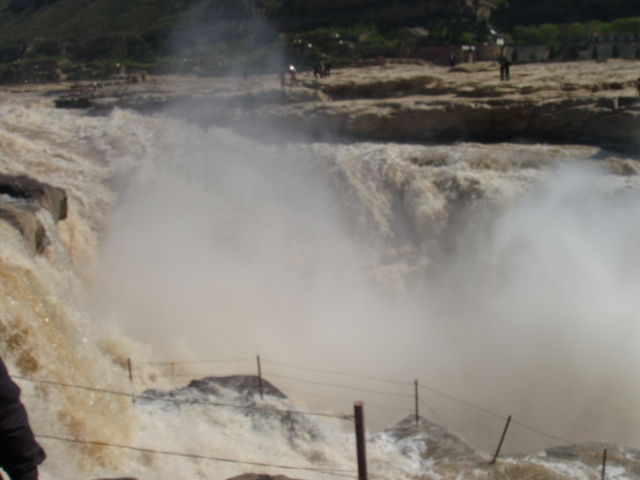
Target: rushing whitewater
[[504, 278]]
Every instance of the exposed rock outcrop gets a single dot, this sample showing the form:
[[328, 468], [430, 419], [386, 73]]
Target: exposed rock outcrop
[[435, 443], [258, 476], [578, 102], [21, 197], [244, 385]]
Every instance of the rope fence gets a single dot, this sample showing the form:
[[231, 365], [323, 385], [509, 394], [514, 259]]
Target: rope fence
[[422, 387], [185, 402], [328, 471]]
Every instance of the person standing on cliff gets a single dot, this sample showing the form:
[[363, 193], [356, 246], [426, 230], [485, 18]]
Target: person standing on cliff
[[294, 75], [20, 454], [504, 68]]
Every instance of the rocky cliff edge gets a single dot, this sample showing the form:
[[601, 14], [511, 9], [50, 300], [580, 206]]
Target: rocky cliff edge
[[578, 102]]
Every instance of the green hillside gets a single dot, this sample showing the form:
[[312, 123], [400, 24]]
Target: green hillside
[[42, 40]]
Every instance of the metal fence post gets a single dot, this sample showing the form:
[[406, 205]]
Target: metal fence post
[[360, 441], [417, 398], [260, 379], [504, 433]]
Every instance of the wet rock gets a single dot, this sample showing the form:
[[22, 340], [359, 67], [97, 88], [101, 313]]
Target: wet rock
[[119, 478], [21, 197], [433, 443], [73, 101], [23, 219], [47, 196], [244, 385], [258, 476]]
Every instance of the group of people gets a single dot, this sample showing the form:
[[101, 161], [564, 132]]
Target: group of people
[[322, 68], [133, 78]]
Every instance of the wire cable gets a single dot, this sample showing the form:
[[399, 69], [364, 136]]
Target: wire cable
[[358, 375], [184, 402], [184, 362], [341, 386], [437, 417], [453, 399], [386, 407], [553, 437], [482, 409], [327, 471]]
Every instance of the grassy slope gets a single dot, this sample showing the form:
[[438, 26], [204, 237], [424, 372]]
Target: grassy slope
[[79, 20]]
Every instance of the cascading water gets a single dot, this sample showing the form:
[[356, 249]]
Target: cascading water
[[503, 275]]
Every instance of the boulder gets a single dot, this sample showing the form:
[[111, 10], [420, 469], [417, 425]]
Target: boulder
[[258, 476], [21, 197], [435, 444], [46, 196], [241, 384]]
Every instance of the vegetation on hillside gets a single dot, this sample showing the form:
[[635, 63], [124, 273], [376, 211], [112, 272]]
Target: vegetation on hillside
[[574, 36], [42, 40], [574, 32]]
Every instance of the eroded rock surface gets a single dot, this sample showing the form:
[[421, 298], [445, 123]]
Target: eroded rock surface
[[21, 197], [258, 476], [585, 102]]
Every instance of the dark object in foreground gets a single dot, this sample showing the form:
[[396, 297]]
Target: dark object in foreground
[[20, 454], [257, 476], [73, 101]]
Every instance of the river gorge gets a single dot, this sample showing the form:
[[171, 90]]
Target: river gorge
[[359, 233]]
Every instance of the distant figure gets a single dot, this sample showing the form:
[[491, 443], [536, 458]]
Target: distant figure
[[452, 60], [294, 75], [319, 69], [143, 76], [504, 68], [20, 454]]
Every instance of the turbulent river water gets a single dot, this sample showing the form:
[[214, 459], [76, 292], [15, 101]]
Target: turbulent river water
[[504, 278]]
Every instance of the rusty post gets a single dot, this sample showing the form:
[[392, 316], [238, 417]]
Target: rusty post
[[504, 433], [417, 398], [133, 390], [260, 379], [604, 462], [361, 448]]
